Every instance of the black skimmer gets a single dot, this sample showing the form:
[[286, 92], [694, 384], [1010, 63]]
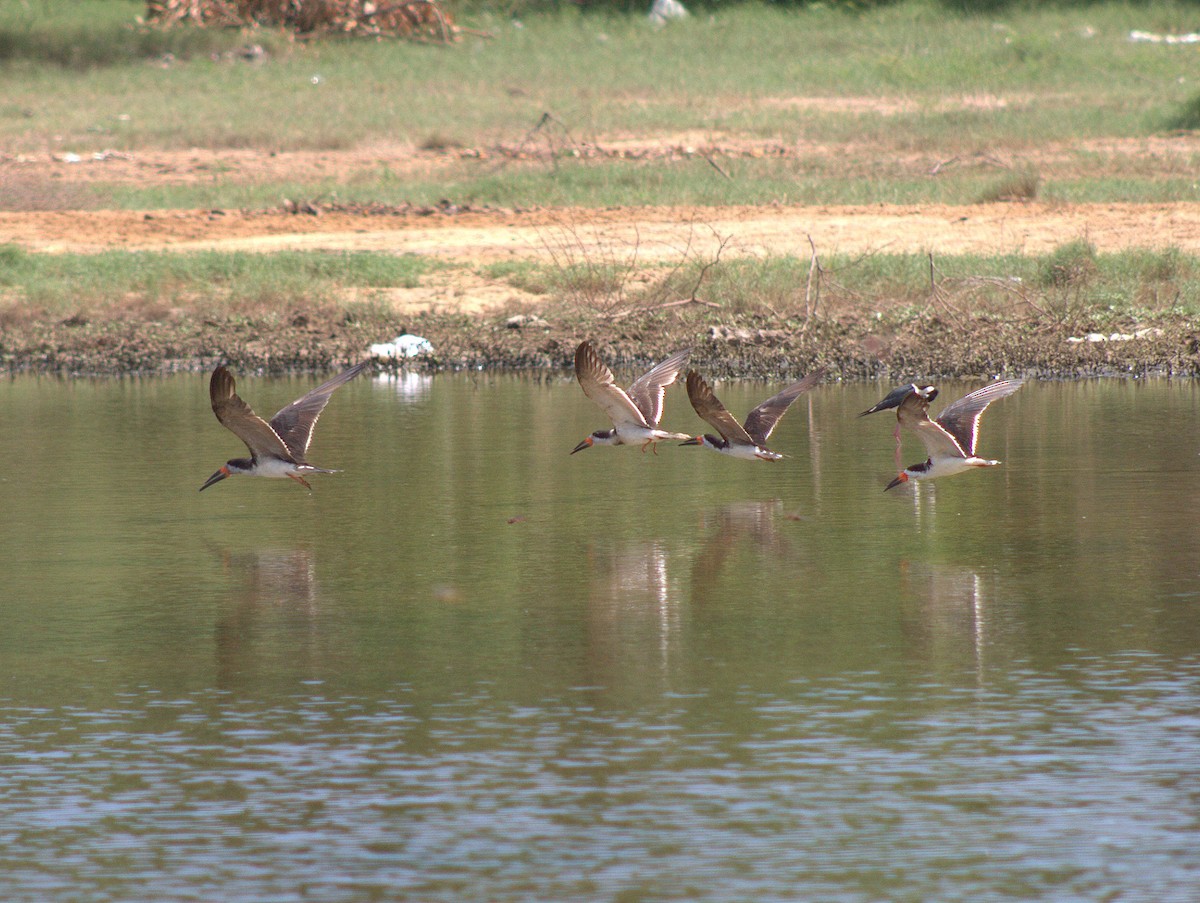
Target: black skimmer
[[749, 441], [950, 439], [278, 448], [634, 414]]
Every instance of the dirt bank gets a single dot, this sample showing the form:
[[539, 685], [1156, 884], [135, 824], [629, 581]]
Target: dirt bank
[[928, 345], [461, 233]]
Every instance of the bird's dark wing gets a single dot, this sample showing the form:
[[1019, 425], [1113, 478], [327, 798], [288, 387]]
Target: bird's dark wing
[[713, 412], [598, 384], [237, 416], [961, 419], [763, 419], [893, 400], [295, 423], [648, 389]]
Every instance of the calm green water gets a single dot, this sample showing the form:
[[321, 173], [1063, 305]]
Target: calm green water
[[473, 667]]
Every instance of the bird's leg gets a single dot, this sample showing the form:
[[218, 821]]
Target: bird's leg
[[896, 436], [647, 443], [299, 479]]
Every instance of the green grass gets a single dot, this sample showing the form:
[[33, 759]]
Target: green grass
[[138, 283], [85, 35], [899, 88], [691, 182], [71, 70], [153, 285], [1071, 280]]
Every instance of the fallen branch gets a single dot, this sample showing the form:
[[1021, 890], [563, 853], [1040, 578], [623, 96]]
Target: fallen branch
[[713, 164], [422, 20]]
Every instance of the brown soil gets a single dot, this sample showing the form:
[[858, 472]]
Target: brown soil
[[658, 233], [497, 234], [468, 235]]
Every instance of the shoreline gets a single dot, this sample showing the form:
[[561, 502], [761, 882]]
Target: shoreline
[[751, 346], [880, 331]]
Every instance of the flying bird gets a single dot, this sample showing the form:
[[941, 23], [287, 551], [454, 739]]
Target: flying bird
[[736, 440], [635, 413], [277, 448], [950, 440]]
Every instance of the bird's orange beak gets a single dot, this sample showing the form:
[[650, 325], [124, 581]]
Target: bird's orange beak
[[903, 478], [586, 443], [216, 477], [695, 440]]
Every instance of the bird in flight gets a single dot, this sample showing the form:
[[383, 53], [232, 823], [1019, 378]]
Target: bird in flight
[[634, 413], [277, 448], [950, 440], [748, 441]]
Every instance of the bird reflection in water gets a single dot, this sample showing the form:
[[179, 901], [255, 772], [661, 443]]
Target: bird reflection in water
[[945, 612], [269, 620], [633, 618], [751, 524]]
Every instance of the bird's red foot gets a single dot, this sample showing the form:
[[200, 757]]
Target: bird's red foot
[[299, 479]]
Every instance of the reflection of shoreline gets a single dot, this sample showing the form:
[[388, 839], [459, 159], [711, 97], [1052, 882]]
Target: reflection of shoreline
[[752, 523]]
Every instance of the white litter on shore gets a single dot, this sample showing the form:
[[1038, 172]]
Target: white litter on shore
[[402, 346], [1149, 37], [663, 11], [1152, 332]]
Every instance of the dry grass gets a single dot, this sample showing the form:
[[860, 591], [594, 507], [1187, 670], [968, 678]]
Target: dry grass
[[1019, 185], [22, 192]]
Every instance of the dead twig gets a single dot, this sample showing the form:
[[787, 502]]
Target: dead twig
[[713, 164], [667, 304], [942, 163], [1012, 288], [811, 299], [546, 120], [935, 296], [721, 244], [693, 298]]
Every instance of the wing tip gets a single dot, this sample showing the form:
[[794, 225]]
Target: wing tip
[[221, 385]]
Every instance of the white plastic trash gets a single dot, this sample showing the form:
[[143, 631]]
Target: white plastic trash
[[662, 11], [403, 346]]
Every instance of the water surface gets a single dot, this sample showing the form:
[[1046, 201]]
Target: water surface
[[472, 666]]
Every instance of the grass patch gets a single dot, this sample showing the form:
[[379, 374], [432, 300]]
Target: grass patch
[[600, 74], [118, 283], [1187, 117], [1070, 264], [94, 34], [1022, 185], [787, 286], [19, 191], [896, 104], [1072, 283], [868, 314], [526, 276], [631, 183]]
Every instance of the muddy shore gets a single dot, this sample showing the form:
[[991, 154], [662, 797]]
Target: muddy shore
[[752, 347]]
